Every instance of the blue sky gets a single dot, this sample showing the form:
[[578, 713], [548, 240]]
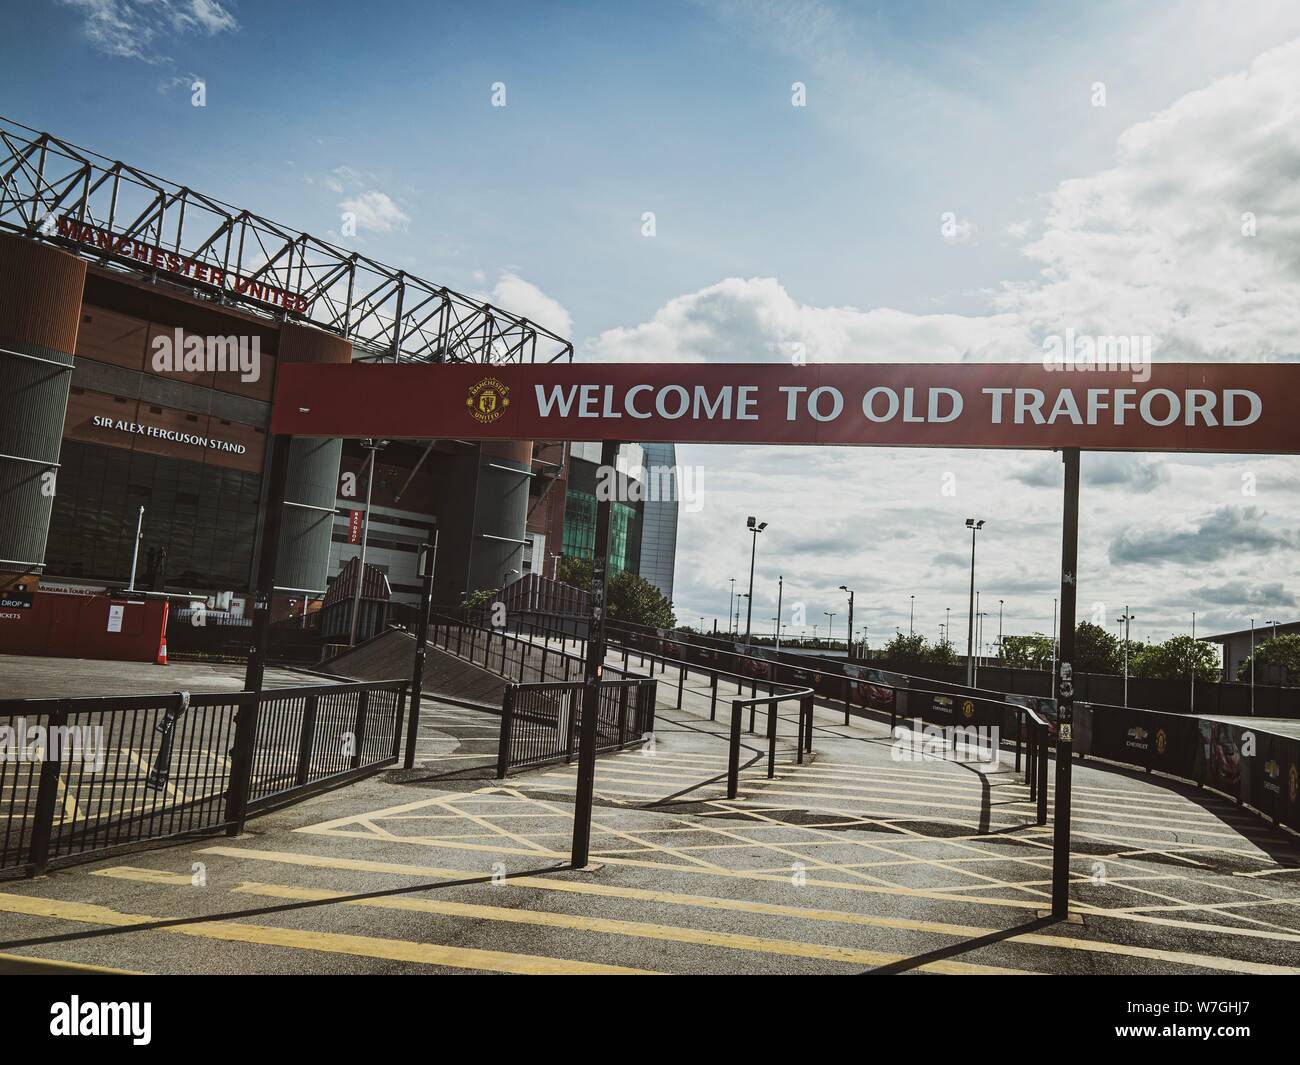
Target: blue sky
[[776, 224], [616, 109]]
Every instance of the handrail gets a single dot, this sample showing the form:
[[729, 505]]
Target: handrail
[[804, 695], [1036, 728]]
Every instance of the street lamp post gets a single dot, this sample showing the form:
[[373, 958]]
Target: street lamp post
[[911, 617], [1053, 637], [1191, 667], [731, 605], [1252, 667], [754, 526], [974, 525], [135, 551], [830, 626], [373, 446], [1000, 655], [850, 591], [1124, 620], [780, 592]]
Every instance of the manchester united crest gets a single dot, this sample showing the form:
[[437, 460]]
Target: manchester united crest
[[488, 400]]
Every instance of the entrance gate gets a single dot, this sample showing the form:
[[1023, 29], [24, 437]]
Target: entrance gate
[[1179, 407]]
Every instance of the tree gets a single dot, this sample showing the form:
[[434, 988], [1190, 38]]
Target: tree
[[914, 650], [630, 597], [1175, 659], [1096, 650], [1027, 652], [1280, 651]]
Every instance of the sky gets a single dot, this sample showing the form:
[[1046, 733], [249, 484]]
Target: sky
[[954, 182]]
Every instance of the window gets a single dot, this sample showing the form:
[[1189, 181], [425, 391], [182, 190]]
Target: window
[[205, 516]]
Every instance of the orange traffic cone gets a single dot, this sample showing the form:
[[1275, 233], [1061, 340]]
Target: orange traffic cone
[[161, 660]]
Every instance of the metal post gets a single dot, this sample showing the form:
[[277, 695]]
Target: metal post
[[733, 754], [268, 549], [771, 739], [428, 562], [780, 593], [1064, 691], [970, 629], [850, 626], [591, 676], [135, 551], [46, 795], [1041, 767], [749, 600], [507, 731], [361, 561]]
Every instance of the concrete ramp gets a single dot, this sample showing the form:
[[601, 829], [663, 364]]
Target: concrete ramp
[[391, 656]]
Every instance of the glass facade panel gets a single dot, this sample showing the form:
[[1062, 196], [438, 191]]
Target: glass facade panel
[[206, 517], [580, 529]]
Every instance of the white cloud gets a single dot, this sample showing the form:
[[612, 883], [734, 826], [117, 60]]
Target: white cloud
[[375, 211], [757, 320], [128, 29], [512, 293], [1154, 245], [1151, 245]]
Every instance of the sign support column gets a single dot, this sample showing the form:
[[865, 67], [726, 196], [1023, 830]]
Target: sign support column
[[595, 666], [428, 563], [1065, 688], [268, 551]]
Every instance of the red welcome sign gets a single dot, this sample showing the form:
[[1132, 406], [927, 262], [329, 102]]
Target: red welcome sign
[[1224, 407]]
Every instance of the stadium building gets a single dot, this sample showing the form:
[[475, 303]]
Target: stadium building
[[141, 327]]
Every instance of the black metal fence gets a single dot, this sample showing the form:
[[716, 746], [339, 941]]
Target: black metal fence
[[540, 721], [508, 655], [542, 707], [82, 777]]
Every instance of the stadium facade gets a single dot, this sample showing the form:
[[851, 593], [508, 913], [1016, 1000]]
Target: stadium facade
[[141, 327]]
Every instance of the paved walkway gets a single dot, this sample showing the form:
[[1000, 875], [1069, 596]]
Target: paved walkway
[[855, 861], [31, 677]]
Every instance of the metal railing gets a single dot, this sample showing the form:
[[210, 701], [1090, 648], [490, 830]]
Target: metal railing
[[963, 710], [515, 658], [121, 217], [804, 742], [542, 706], [82, 777], [540, 721]]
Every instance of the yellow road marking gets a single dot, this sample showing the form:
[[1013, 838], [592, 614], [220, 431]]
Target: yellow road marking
[[425, 841], [70, 808], [149, 876], [637, 929], [21, 963], [710, 902], [328, 942], [146, 768]]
